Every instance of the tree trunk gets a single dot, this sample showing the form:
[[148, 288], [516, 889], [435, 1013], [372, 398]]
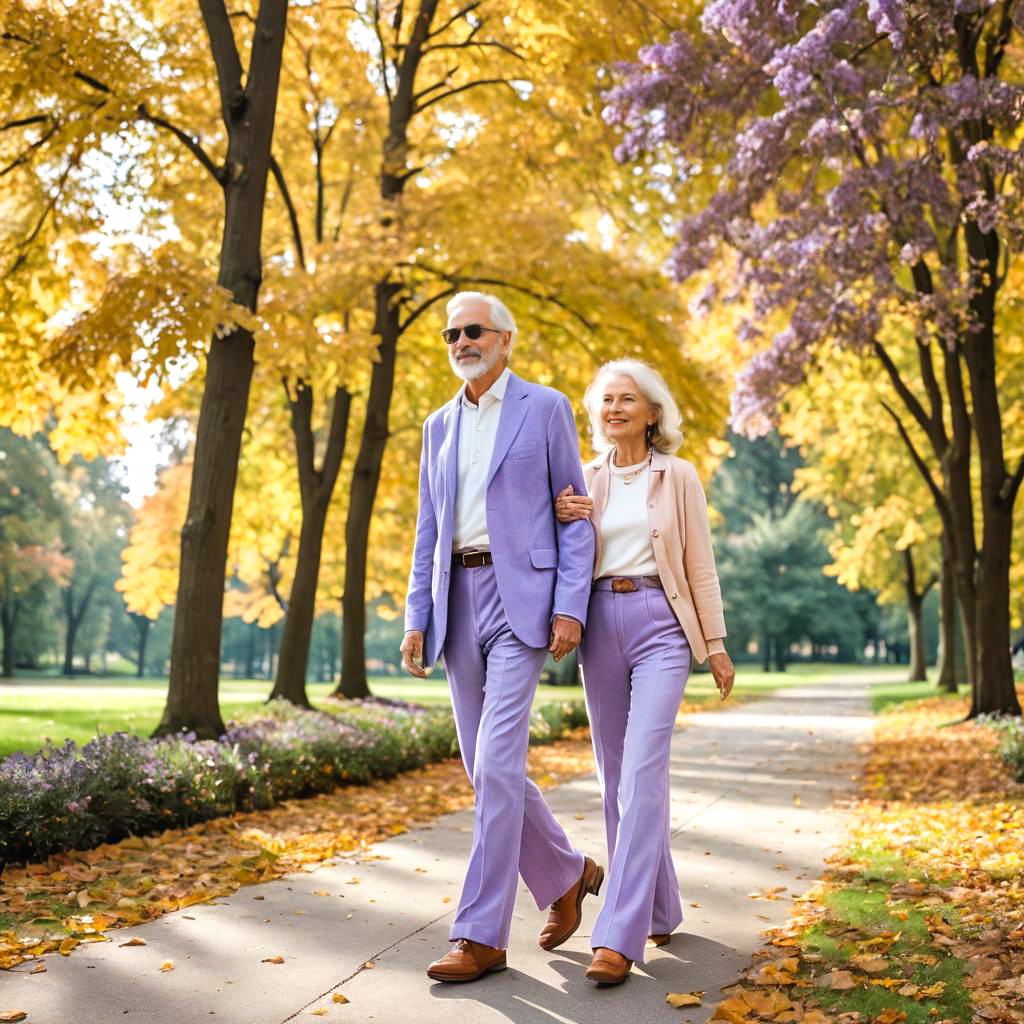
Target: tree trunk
[[248, 114], [780, 654], [766, 652], [947, 673], [402, 107], [74, 618], [996, 692], [915, 625], [142, 628], [8, 618], [363, 493], [316, 488]]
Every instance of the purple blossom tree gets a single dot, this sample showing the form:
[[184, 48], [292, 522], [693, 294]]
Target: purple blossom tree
[[865, 169]]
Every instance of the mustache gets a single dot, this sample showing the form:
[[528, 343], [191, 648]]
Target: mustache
[[466, 352]]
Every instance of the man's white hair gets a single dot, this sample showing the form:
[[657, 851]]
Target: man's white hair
[[665, 435], [501, 317]]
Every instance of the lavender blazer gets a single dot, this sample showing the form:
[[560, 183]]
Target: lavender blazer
[[543, 567]]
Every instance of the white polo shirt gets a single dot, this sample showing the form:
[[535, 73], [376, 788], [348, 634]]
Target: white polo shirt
[[477, 430]]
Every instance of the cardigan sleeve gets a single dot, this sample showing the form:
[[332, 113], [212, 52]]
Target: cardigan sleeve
[[699, 561]]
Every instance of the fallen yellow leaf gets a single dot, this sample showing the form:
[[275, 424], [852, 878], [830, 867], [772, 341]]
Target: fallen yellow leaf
[[273, 960], [167, 966], [319, 1013], [339, 998], [684, 998], [724, 1013], [870, 964], [12, 1015], [890, 1016], [133, 942]]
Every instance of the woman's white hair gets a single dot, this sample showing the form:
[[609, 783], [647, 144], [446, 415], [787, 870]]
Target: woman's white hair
[[664, 435], [501, 317]]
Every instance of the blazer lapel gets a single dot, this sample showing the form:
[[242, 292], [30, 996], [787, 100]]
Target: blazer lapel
[[450, 450], [513, 411]]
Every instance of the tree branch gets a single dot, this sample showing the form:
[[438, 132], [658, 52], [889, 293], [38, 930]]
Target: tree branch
[[939, 498], [23, 122], [909, 398], [225, 57], [468, 9], [293, 216], [336, 435], [462, 88], [50, 206], [23, 157], [191, 144], [1015, 482], [383, 52], [467, 43], [423, 307]]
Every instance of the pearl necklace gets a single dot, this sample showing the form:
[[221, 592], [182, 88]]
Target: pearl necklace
[[628, 478]]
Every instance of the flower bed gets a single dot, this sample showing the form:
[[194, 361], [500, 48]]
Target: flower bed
[[66, 797]]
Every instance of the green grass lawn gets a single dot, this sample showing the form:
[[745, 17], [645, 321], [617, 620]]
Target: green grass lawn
[[33, 708], [884, 695]]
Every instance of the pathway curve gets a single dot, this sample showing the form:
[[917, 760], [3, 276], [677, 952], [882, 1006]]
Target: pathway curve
[[754, 791]]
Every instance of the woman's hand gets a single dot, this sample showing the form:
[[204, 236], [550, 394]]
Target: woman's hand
[[723, 671], [569, 507]]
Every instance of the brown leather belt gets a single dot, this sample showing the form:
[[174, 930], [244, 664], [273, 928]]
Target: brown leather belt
[[472, 559], [627, 584]]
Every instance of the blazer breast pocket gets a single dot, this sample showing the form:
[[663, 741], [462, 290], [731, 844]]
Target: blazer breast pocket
[[528, 450]]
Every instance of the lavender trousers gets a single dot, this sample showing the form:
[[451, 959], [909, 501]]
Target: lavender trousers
[[492, 676], [636, 661]]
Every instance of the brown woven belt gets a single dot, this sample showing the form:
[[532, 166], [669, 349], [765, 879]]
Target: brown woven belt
[[472, 559], [627, 584]]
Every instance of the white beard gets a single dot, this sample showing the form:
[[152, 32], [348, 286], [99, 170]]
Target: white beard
[[483, 365]]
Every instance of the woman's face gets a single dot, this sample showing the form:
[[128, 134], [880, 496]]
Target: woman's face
[[625, 413]]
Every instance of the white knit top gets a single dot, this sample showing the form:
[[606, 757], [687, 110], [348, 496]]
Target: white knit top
[[626, 548]]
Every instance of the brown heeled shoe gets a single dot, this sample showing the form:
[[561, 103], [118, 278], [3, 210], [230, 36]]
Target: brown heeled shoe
[[566, 912], [660, 939], [609, 967]]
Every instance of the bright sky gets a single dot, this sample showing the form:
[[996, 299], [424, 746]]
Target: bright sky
[[145, 454]]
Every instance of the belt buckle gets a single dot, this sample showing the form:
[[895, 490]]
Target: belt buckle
[[623, 585]]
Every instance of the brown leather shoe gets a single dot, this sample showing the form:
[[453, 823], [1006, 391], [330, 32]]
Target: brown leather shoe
[[608, 967], [468, 961], [660, 940], [566, 914]]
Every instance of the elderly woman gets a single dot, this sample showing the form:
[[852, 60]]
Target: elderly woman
[[655, 604]]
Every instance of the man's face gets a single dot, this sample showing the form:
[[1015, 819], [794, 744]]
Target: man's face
[[474, 358]]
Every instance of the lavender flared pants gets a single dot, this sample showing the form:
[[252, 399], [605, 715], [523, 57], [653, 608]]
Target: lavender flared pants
[[636, 661], [492, 676]]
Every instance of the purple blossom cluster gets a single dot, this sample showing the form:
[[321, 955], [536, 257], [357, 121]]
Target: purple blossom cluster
[[837, 151]]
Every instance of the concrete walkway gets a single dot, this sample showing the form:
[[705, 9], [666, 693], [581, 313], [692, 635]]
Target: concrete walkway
[[750, 792]]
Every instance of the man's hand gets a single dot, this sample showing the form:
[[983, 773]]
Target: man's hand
[[412, 654], [723, 671], [565, 635]]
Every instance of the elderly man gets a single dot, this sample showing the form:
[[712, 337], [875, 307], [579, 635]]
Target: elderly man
[[496, 583]]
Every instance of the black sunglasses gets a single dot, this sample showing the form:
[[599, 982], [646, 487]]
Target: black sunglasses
[[473, 331]]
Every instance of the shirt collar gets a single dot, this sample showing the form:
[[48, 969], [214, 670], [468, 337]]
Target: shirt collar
[[495, 391]]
